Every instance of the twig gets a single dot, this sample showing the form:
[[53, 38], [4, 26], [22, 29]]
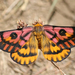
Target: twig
[[10, 8], [65, 15], [31, 68], [45, 68], [68, 6], [6, 17], [52, 10], [23, 7], [58, 68]]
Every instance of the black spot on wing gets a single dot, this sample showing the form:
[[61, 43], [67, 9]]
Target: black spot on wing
[[13, 35], [62, 32]]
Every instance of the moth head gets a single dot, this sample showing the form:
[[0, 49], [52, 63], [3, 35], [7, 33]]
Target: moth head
[[38, 28]]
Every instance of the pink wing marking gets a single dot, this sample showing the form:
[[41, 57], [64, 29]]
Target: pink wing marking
[[11, 41], [26, 30], [51, 34], [28, 36], [49, 28], [54, 40], [48, 35], [25, 35], [22, 43]]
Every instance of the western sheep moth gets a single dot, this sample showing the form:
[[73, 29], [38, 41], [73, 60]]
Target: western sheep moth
[[23, 43]]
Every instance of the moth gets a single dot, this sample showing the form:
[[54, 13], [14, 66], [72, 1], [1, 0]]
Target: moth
[[23, 43]]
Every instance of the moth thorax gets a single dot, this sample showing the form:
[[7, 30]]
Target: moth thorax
[[38, 30]]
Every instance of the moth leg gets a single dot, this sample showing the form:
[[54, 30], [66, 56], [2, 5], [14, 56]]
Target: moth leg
[[21, 24]]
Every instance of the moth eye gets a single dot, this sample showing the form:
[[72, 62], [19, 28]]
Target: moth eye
[[13, 35], [62, 32]]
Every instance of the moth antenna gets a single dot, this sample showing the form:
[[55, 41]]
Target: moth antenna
[[21, 24]]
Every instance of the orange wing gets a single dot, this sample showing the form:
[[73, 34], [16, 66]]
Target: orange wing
[[53, 52], [28, 53]]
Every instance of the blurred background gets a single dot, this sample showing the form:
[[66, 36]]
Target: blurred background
[[54, 12]]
